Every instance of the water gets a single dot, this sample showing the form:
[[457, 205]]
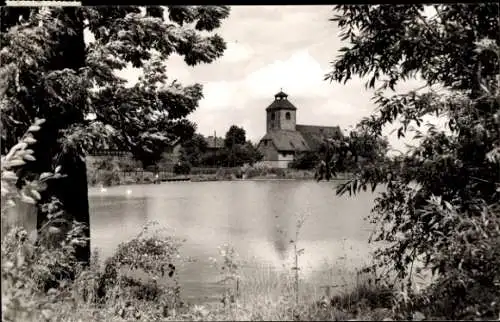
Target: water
[[246, 214]]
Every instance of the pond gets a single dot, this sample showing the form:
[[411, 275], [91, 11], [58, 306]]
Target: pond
[[257, 217]]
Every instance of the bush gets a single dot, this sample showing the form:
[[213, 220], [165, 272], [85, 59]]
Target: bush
[[305, 161], [31, 269], [440, 207], [182, 168], [109, 178], [228, 173], [112, 292], [281, 173], [468, 284]]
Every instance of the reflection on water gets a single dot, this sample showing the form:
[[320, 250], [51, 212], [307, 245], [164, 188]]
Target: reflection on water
[[257, 217]]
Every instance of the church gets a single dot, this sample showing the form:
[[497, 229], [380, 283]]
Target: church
[[284, 138]]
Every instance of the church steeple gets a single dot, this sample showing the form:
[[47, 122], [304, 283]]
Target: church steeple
[[280, 95], [281, 114]]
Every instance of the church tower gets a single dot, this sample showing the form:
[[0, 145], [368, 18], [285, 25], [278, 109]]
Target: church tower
[[281, 114]]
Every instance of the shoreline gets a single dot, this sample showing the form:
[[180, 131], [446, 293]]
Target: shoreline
[[196, 178], [110, 178]]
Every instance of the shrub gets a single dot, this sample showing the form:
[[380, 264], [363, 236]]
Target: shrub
[[281, 173], [30, 269], [440, 205], [468, 284], [305, 161], [228, 173], [253, 172], [109, 178], [229, 268], [154, 254], [182, 168], [113, 292]]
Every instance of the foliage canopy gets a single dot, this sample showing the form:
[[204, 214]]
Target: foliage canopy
[[440, 204], [50, 71]]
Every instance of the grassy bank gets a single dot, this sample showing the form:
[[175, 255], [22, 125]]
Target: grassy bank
[[139, 282]]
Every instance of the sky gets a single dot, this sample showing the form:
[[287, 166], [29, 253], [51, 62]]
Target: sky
[[271, 48]]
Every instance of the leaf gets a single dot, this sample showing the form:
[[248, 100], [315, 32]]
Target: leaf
[[9, 175], [29, 157], [27, 199], [39, 121], [45, 175], [15, 163], [15, 148], [448, 205], [36, 194], [33, 128], [29, 140]]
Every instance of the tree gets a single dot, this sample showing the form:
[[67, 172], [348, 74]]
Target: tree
[[242, 154], [151, 148], [306, 160], [193, 150], [237, 150], [441, 199], [49, 72], [235, 135], [344, 154], [351, 153]]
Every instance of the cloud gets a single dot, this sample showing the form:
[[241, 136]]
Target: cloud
[[268, 48], [218, 95], [300, 74], [236, 52], [243, 102]]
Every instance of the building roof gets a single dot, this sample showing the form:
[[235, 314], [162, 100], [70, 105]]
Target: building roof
[[314, 135], [285, 140], [216, 143], [281, 102], [305, 138], [281, 94]]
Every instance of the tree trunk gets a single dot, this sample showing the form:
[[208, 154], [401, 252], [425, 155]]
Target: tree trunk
[[71, 190]]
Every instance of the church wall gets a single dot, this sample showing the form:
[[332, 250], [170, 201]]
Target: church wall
[[285, 159], [272, 158], [268, 150], [273, 164], [280, 122], [285, 124], [270, 123]]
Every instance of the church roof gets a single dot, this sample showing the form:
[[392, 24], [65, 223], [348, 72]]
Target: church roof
[[214, 143], [314, 134], [281, 94], [281, 102], [305, 138], [285, 140]]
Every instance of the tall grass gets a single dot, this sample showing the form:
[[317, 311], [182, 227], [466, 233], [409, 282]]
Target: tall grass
[[256, 291]]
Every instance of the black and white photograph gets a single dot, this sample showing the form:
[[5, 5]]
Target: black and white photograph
[[293, 162]]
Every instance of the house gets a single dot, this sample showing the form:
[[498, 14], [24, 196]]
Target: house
[[284, 138], [214, 143]]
